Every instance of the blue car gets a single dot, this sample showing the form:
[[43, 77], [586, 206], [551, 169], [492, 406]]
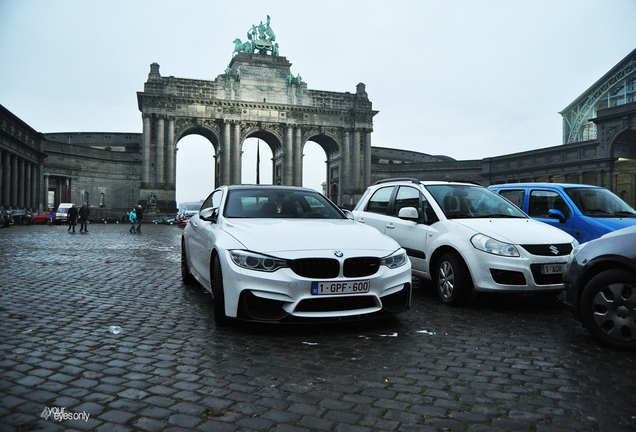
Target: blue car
[[583, 211]]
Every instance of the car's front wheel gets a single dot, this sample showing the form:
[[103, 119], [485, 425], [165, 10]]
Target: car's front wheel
[[452, 279], [186, 276], [217, 291], [608, 308]]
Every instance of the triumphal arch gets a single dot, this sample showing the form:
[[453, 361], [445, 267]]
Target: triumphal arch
[[257, 96]]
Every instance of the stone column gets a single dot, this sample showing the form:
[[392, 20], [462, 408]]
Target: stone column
[[599, 178], [235, 166], [298, 158], [367, 159], [159, 178], [345, 169], [145, 177], [288, 157], [6, 179], [46, 192], [21, 179], [27, 184], [355, 162], [609, 184], [172, 166], [581, 178], [14, 182], [225, 152], [34, 187]]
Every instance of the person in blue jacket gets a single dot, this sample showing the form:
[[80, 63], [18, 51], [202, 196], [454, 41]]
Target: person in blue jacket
[[133, 220]]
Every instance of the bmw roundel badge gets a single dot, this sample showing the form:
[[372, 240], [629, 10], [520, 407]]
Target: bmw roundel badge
[[338, 254]]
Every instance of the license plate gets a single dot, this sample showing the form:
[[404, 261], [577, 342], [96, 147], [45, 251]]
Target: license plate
[[344, 287], [551, 268]]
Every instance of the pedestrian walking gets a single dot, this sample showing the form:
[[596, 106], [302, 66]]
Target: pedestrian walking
[[84, 212], [51, 217], [72, 217], [140, 217], [133, 219]]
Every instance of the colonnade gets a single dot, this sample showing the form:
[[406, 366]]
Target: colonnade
[[159, 154], [164, 160], [19, 182]]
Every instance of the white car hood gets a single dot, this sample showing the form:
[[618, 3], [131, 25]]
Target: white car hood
[[278, 236], [516, 230]]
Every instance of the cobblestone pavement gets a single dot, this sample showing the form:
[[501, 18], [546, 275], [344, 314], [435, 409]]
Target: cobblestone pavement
[[501, 363]]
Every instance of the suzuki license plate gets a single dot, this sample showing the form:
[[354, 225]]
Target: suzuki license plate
[[344, 287], [551, 268]]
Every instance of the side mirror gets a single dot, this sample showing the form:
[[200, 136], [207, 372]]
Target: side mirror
[[209, 214], [409, 213], [556, 214], [347, 213]]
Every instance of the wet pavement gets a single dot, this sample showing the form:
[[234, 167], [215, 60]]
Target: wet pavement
[[501, 363]]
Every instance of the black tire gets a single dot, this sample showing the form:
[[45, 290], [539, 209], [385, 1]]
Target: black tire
[[608, 308], [186, 276], [452, 280], [217, 292]]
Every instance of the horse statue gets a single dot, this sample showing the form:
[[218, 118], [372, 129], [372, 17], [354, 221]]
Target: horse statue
[[239, 46]]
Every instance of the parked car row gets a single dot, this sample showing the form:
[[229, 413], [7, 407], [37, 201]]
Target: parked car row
[[25, 217], [286, 254], [15, 217]]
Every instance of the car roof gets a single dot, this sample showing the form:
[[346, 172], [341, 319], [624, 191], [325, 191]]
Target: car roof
[[267, 186], [424, 182], [544, 184]]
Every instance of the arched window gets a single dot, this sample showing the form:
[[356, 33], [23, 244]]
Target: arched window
[[102, 200]]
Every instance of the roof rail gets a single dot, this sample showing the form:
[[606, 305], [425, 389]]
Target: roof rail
[[412, 180]]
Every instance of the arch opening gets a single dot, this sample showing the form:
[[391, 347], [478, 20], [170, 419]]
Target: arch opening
[[315, 160], [196, 168], [256, 162]]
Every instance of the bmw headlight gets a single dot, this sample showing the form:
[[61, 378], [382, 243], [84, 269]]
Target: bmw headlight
[[492, 246], [395, 260], [255, 261]]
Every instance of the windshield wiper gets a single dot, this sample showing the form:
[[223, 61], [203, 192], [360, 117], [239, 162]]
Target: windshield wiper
[[499, 215], [460, 216], [625, 213]]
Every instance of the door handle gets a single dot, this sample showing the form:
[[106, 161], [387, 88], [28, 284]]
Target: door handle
[[390, 226]]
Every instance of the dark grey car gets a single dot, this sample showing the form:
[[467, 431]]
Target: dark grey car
[[601, 287]]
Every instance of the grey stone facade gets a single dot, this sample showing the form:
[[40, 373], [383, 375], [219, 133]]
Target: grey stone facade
[[102, 169]]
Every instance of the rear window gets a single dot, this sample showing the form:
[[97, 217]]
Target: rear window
[[379, 202], [514, 196]]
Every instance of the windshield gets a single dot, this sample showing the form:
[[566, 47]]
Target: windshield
[[599, 202], [279, 203], [466, 201]]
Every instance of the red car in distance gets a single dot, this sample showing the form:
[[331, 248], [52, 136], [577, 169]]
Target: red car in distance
[[40, 217]]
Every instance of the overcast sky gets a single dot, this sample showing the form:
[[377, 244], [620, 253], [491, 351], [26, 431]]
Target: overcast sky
[[467, 79]]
